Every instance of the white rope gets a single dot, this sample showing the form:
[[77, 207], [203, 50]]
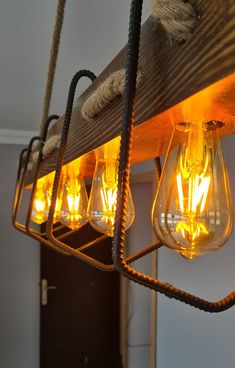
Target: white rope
[[52, 143], [52, 62]]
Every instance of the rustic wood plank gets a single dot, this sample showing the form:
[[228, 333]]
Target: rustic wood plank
[[171, 74]]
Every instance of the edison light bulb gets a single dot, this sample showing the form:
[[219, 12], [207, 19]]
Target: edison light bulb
[[74, 200], [103, 197], [42, 200], [192, 211]]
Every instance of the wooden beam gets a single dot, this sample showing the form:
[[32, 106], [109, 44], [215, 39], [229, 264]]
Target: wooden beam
[[173, 75]]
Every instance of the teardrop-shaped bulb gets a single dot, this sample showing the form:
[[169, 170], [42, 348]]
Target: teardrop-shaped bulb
[[103, 196], [42, 200], [192, 211], [74, 199]]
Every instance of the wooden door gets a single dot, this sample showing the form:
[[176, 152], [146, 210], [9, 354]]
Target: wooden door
[[80, 321]]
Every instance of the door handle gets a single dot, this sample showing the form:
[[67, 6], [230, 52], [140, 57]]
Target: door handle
[[44, 291]]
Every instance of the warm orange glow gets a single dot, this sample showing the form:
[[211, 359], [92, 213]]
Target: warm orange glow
[[108, 193], [108, 184], [192, 211], [103, 197], [108, 189], [197, 193], [193, 185], [40, 205], [42, 200], [73, 196], [57, 204]]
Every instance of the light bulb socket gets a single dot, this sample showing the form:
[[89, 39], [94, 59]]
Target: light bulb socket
[[208, 125]]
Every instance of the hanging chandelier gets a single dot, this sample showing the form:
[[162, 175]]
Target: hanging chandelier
[[192, 211]]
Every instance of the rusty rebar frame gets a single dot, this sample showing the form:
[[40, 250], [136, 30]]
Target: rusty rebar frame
[[56, 241], [20, 182], [123, 182]]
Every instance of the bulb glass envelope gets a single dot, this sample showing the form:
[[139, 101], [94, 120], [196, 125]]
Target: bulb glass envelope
[[193, 212], [103, 197]]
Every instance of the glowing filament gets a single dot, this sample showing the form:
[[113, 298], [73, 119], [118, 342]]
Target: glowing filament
[[40, 205], [197, 193], [74, 202], [57, 204], [39, 208], [196, 186], [109, 198], [103, 197]]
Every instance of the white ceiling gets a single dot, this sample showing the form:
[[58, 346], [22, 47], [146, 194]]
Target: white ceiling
[[94, 31]]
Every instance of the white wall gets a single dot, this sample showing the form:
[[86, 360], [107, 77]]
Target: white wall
[[93, 33], [188, 337], [19, 278], [138, 326]]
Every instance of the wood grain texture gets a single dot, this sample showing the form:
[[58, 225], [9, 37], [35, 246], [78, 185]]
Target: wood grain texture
[[172, 73]]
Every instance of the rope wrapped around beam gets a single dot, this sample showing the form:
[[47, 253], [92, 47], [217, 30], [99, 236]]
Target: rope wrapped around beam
[[112, 87], [176, 16]]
